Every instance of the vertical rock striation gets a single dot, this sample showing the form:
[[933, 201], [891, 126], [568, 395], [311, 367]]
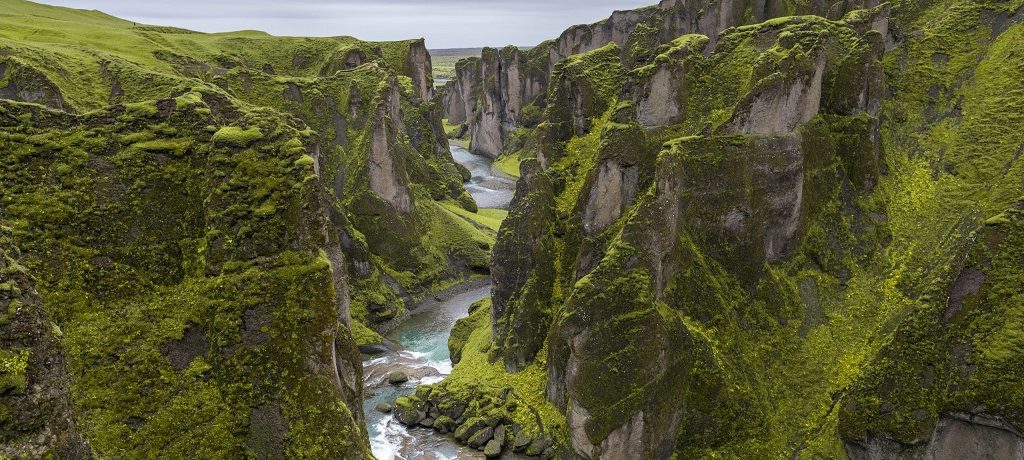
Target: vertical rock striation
[[489, 93]]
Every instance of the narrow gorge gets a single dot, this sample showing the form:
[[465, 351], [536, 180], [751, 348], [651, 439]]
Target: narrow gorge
[[697, 229]]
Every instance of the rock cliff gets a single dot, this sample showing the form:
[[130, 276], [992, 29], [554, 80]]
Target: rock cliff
[[490, 92], [761, 242], [36, 415], [243, 210]]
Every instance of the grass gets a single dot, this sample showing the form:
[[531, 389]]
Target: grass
[[509, 165], [81, 50], [489, 218], [451, 130], [444, 61]]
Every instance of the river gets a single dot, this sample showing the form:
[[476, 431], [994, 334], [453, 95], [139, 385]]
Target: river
[[420, 344], [490, 188]]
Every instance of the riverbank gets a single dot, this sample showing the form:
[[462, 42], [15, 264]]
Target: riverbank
[[415, 350], [421, 354], [432, 300]]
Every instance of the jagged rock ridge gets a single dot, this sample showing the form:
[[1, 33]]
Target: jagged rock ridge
[[489, 93]]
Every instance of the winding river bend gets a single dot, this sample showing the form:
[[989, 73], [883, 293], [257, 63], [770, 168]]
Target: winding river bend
[[419, 346], [489, 188]]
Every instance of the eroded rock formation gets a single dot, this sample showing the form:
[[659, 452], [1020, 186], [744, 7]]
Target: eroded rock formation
[[717, 224], [489, 93]]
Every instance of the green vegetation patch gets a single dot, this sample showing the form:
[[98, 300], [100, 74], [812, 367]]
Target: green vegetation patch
[[234, 136]]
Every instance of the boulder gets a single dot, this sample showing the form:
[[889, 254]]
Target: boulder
[[500, 433], [444, 424], [536, 447], [409, 411], [492, 449], [397, 378], [384, 408], [480, 437], [521, 442], [470, 428]]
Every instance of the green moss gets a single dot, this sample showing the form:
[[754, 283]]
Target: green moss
[[451, 131], [304, 161], [364, 335], [234, 136], [479, 314], [13, 364], [487, 218], [141, 109]]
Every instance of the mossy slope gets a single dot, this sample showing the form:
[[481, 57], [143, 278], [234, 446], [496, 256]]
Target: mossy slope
[[212, 263], [236, 205]]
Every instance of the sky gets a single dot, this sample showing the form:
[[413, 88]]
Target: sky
[[444, 23]]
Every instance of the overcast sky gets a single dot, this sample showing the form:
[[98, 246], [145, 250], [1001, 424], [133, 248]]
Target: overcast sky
[[444, 23]]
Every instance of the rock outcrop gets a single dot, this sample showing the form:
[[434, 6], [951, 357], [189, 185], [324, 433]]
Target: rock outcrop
[[713, 223], [386, 171], [421, 70], [612, 193], [523, 269], [488, 93], [36, 415], [242, 208], [23, 83]]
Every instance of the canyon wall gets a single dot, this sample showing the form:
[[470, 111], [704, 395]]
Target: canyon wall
[[214, 224], [489, 93], [792, 238]]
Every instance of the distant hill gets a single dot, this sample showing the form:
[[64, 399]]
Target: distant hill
[[444, 61]]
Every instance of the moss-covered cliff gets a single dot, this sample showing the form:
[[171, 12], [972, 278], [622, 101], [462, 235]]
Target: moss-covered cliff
[[500, 92], [36, 415], [758, 244], [215, 222]]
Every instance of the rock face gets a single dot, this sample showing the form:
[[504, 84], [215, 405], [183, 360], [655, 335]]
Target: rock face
[[459, 92], [386, 172], [35, 400], [23, 83], [754, 223], [781, 106], [488, 93], [658, 106], [714, 200], [522, 269], [611, 194], [421, 70], [955, 436]]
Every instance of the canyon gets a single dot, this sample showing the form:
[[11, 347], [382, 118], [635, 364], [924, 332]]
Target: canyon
[[699, 229]]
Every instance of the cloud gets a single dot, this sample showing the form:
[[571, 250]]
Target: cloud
[[444, 23]]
